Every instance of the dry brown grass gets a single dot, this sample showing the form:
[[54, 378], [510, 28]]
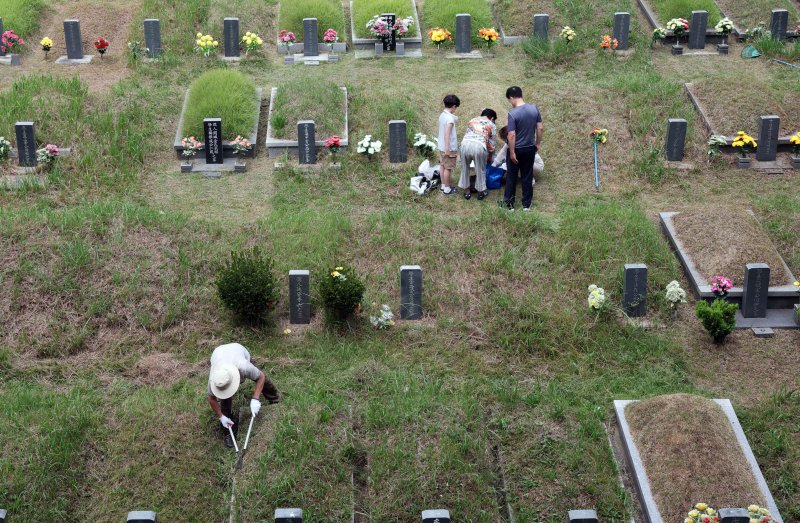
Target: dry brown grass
[[517, 17], [721, 243], [691, 455]]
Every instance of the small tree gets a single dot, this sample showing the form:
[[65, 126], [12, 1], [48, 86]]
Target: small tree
[[719, 318], [341, 291], [246, 285]]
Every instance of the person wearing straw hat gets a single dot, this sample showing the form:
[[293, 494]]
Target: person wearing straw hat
[[230, 364]]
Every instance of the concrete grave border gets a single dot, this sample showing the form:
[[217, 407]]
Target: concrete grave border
[[636, 466], [278, 147], [781, 296], [412, 42], [712, 36], [297, 46], [227, 149]]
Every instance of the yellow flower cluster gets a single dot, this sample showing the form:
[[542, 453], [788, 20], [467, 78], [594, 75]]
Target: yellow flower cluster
[[46, 43], [702, 513], [795, 139], [206, 41], [439, 35], [744, 140], [252, 39], [489, 34], [567, 33]]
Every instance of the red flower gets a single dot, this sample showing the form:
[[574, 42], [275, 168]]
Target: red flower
[[101, 44]]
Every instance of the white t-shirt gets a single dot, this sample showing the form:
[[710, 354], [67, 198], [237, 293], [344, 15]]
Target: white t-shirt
[[445, 119], [236, 354]]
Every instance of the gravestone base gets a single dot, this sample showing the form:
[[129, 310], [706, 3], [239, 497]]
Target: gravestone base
[[722, 48], [233, 60], [11, 59], [310, 60], [63, 60], [763, 332], [23, 177], [408, 53], [305, 167], [471, 54], [212, 170], [681, 166], [677, 50], [744, 163], [775, 319]]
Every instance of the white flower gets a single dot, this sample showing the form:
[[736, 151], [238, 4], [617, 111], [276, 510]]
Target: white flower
[[371, 151]]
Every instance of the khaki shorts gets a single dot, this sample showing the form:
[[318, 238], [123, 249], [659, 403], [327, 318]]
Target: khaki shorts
[[447, 162]]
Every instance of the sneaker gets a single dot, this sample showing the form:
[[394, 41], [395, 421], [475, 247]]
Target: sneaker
[[228, 441], [451, 192], [526, 209]]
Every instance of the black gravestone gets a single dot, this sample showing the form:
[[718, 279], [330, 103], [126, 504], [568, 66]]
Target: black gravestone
[[212, 128], [398, 146], [288, 515], [779, 23], [2, 53], [152, 37], [141, 516], [310, 43], [756, 288], [697, 30], [72, 35], [581, 516], [410, 292], [622, 29], [676, 139], [299, 297], [306, 142], [767, 150], [26, 144], [734, 515], [541, 25], [634, 290], [230, 29], [390, 42], [463, 33], [436, 516]]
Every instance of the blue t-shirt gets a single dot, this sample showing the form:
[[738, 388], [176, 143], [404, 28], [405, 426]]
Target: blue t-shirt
[[523, 120]]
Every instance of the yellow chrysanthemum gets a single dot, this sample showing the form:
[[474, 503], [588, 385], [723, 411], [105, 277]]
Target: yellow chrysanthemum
[[335, 274], [701, 506], [338, 268], [199, 35], [694, 513]]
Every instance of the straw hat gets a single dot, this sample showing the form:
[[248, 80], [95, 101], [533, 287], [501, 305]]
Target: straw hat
[[224, 380]]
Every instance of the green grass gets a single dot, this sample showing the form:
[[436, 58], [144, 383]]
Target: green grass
[[327, 12], [364, 10], [320, 100], [222, 94], [669, 9], [22, 16], [180, 21], [442, 13], [747, 14]]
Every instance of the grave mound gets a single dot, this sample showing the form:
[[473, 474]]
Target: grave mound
[[691, 455], [722, 242], [222, 94]]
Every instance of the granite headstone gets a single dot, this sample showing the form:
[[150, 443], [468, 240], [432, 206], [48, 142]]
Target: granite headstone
[[755, 290], [288, 515], [767, 150], [390, 42], [410, 292], [634, 290], [2, 53], [541, 25], [141, 516], [152, 37], [72, 35], [622, 29], [779, 23], [581, 516], [212, 129], [230, 29], [299, 297], [676, 139], [306, 142], [734, 515], [26, 144], [436, 516], [398, 145], [463, 33], [310, 42], [697, 29]]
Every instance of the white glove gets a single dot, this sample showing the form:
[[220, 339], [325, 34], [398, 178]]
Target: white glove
[[226, 421], [255, 406]]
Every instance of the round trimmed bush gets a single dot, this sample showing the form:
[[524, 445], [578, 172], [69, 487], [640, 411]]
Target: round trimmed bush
[[246, 285], [221, 93], [341, 291]]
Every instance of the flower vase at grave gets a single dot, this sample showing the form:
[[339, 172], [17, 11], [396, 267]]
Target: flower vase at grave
[[187, 164]]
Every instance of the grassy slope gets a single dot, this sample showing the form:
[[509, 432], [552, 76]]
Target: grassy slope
[[221, 94], [327, 12], [115, 262], [22, 16], [669, 9], [442, 13], [364, 10]]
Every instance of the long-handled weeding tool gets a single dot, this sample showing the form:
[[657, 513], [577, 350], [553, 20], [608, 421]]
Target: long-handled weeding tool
[[233, 438], [246, 441]]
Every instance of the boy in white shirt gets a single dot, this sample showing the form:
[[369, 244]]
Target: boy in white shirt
[[448, 142]]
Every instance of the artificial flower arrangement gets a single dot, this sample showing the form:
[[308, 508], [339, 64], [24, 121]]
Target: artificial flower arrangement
[[10, 42], [240, 146], [251, 42], [675, 295], [724, 26], [720, 286], [137, 49], [384, 320], [678, 26], [608, 43], [567, 33], [659, 33], [597, 297], [46, 44], [489, 35], [330, 37], [402, 25], [379, 27], [599, 135], [5, 149], [702, 513], [286, 38], [795, 141], [333, 144], [759, 514], [190, 147], [714, 143], [745, 142], [101, 44], [423, 145], [205, 44], [439, 35], [47, 154], [369, 147]]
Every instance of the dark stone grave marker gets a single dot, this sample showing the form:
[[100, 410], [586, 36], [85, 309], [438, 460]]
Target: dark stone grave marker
[[2, 53], [299, 297], [634, 290], [398, 146], [410, 292], [390, 42], [697, 30], [541, 25], [734, 515], [306, 142], [152, 37], [755, 289], [26, 144], [463, 33], [288, 515], [767, 150], [212, 128], [310, 43], [230, 29], [72, 35], [779, 23], [622, 29], [676, 139]]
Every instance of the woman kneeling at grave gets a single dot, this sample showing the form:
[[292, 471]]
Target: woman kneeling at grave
[[476, 146]]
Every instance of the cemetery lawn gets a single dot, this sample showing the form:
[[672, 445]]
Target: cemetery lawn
[[300, 99], [22, 17], [109, 309], [442, 13], [227, 94], [517, 17], [364, 10], [666, 10], [747, 14], [327, 12]]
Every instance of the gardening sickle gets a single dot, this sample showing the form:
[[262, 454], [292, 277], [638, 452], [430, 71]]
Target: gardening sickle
[[246, 441]]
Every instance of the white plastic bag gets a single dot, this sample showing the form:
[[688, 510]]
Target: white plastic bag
[[419, 184]]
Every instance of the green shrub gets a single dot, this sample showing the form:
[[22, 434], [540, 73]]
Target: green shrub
[[22, 16], [341, 291], [247, 286], [442, 13], [364, 10], [327, 12], [225, 94], [719, 318], [669, 9]]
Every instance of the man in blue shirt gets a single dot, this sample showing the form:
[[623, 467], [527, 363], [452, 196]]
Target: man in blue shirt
[[524, 138]]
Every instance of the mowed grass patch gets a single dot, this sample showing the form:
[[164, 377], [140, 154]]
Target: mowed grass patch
[[180, 21], [327, 12], [150, 434], [364, 10], [442, 13], [780, 215], [747, 14], [517, 17], [22, 17], [669, 9], [47, 448], [225, 94], [308, 99]]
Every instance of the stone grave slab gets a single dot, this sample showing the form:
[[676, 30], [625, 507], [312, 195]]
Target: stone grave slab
[[152, 37], [72, 36], [299, 297], [230, 29], [410, 292], [541, 25]]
